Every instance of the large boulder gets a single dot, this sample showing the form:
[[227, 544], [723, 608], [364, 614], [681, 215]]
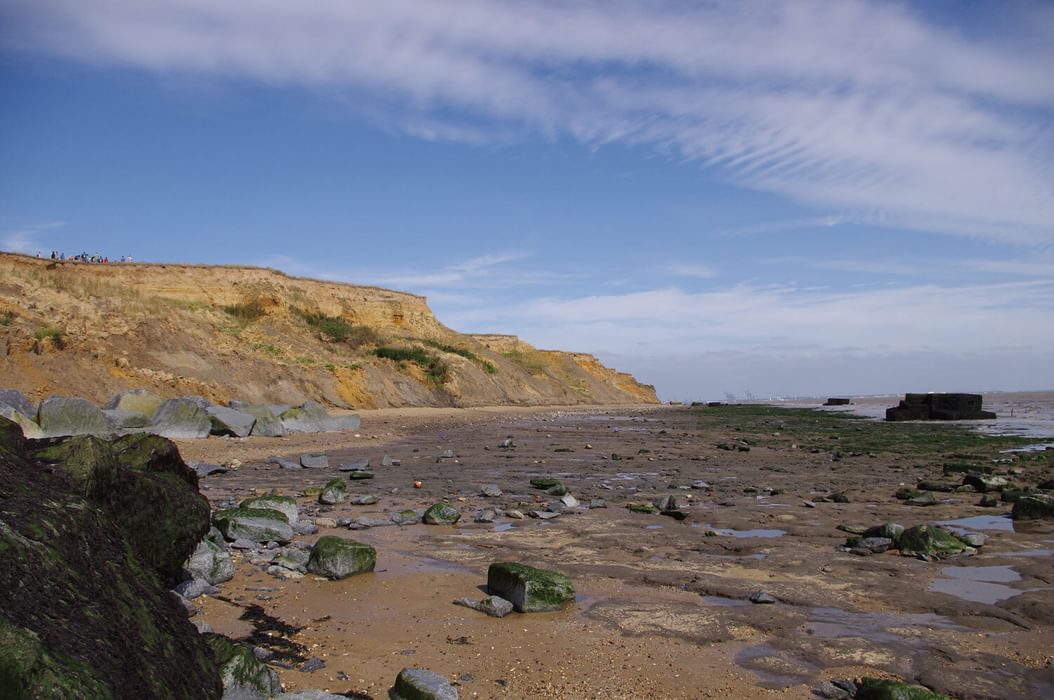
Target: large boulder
[[529, 589], [182, 418], [441, 514], [29, 427], [125, 421], [267, 426], [1033, 507], [931, 542], [83, 614], [18, 401], [283, 504], [140, 401], [309, 417], [985, 482], [337, 558], [227, 421], [253, 524], [419, 684], [59, 416], [244, 676]]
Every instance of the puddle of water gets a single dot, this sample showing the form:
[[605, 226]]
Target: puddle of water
[[653, 527], [750, 533], [1030, 553], [753, 658], [832, 623], [980, 522], [724, 602], [991, 574], [502, 527], [978, 584]]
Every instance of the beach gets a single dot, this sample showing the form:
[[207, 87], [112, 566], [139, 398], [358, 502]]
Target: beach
[[663, 605]]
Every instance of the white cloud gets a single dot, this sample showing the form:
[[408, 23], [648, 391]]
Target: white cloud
[[27, 239], [861, 107]]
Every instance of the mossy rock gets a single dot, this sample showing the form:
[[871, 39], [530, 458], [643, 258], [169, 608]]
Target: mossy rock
[[529, 589], [1033, 507], [645, 508], [545, 483], [335, 491], [337, 558], [929, 541], [419, 684], [240, 670], [61, 416], [29, 670], [985, 482], [255, 524], [441, 514], [272, 501], [12, 440], [210, 562], [892, 531], [880, 689]]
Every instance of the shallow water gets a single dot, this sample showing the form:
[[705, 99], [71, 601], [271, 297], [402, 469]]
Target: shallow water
[[978, 584], [979, 522]]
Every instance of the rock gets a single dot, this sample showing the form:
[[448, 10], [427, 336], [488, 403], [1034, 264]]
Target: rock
[[406, 517], [569, 501], [597, 503], [58, 416], [254, 524], [283, 504], [227, 421], [701, 485], [881, 689], [514, 514], [337, 558], [125, 421], [309, 417], [875, 545], [309, 694], [243, 675], [1033, 507], [335, 491], [892, 531], [84, 611], [926, 499], [507, 443], [832, 692], [360, 466], [140, 401], [419, 684], [543, 514], [645, 508], [529, 589], [557, 490], [325, 522], [666, 503], [387, 461], [28, 426], [16, 400], [490, 490], [194, 588], [486, 515], [283, 462], [445, 454], [314, 460], [974, 539], [267, 426], [930, 542], [988, 500], [441, 514], [985, 482], [545, 483], [939, 407], [492, 605], [761, 598], [210, 562], [366, 500], [203, 469], [312, 665], [940, 486], [181, 418], [360, 475]]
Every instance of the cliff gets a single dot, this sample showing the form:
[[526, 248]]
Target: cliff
[[224, 332]]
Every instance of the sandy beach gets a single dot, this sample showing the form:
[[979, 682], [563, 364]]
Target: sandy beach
[[663, 605]]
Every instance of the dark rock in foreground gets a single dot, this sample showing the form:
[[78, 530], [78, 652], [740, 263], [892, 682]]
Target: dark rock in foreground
[[419, 684], [939, 407], [88, 539]]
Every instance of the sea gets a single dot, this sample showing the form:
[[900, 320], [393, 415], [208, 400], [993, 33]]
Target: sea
[[1022, 413]]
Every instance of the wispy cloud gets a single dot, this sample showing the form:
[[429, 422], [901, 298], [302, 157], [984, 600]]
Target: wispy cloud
[[860, 107], [27, 239]]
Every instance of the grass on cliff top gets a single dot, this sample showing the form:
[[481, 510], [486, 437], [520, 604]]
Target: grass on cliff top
[[848, 433]]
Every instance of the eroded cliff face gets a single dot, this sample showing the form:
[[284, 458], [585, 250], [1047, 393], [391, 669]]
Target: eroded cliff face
[[256, 334]]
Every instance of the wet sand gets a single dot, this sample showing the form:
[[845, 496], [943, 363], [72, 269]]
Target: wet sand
[[662, 609]]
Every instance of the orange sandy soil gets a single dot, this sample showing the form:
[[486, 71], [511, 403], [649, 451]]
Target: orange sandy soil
[[662, 609]]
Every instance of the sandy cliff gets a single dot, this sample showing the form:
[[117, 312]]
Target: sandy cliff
[[257, 334]]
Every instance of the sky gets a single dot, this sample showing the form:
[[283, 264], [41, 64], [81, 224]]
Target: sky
[[752, 197]]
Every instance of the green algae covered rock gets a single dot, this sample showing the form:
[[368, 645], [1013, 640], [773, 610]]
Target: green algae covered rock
[[242, 673], [529, 589], [441, 514], [210, 561], [545, 483], [892, 531], [1033, 507], [880, 689], [335, 491], [985, 482], [645, 508], [84, 611], [930, 542], [285, 505], [59, 416], [255, 524], [337, 558]]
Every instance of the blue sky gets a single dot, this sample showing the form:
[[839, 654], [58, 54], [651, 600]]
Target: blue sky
[[785, 198]]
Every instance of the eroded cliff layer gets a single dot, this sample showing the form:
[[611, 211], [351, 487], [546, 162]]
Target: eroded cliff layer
[[90, 330]]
